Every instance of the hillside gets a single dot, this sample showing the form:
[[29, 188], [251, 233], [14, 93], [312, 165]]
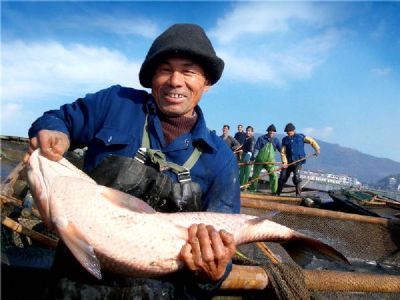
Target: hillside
[[342, 160]]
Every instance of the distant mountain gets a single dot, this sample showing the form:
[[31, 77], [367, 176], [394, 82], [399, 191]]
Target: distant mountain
[[342, 160], [389, 183]]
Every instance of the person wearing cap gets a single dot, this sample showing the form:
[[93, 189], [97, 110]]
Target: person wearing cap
[[293, 150], [122, 128], [248, 149], [264, 158]]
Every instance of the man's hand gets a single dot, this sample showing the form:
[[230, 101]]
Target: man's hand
[[317, 152], [285, 166], [208, 252], [53, 144]]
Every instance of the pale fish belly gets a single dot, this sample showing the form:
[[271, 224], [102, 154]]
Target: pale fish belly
[[124, 241]]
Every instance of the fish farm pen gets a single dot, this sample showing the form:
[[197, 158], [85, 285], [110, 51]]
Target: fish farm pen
[[262, 270]]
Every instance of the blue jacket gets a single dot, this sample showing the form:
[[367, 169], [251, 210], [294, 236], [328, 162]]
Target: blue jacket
[[294, 147], [111, 122]]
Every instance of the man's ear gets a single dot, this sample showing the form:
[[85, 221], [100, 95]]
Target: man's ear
[[207, 85]]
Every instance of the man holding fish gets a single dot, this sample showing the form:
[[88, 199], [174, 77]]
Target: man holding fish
[[156, 147]]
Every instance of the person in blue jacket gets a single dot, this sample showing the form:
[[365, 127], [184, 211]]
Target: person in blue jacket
[[293, 150], [155, 146]]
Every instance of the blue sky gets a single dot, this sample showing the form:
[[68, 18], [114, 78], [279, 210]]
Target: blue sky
[[331, 68]]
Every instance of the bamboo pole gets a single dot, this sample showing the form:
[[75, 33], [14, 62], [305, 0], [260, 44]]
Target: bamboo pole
[[271, 197], [324, 280], [255, 278], [246, 278], [8, 183], [18, 203], [17, 227], [251, 203]]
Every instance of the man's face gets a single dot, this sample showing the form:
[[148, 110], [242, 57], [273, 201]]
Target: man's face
[[271, 133], [249, 132], [290, 133], [240, 128], [225, 130], [177, 86]]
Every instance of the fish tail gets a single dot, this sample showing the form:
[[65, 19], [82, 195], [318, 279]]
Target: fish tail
[[302, 249]]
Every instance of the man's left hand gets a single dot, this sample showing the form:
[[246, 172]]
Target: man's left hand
[[208, 252]]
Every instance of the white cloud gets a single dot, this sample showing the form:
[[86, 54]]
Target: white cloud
[[126, 26], [381, 72], [266, 65], [256, 18], [319, 133], [274, 43], [33, 71]]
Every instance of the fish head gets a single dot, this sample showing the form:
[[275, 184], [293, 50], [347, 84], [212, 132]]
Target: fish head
[[41, 172]]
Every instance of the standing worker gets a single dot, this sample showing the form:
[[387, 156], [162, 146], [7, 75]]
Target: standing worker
[[229, 140], [264, 152], [240, 135], [293, 150], [248, 149], [156, 147]]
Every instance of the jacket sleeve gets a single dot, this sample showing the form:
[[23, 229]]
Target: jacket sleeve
[[283, 155], [312, 142], [79, 120]]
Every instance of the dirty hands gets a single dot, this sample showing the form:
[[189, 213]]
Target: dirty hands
[[53, 144], [208, 252]]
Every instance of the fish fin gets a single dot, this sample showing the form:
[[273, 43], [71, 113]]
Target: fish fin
[[79, 247], [302, 249], [127, 201], [268, 216]]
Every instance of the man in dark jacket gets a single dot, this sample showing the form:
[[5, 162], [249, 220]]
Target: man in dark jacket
[[293, 150], [248, 149], [240, 135], [117, 124]]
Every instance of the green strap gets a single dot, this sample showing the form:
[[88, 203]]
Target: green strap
[[157, 157], [145, 137], [193, 158]]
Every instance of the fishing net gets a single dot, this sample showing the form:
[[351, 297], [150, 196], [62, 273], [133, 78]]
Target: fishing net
[[372, 249]]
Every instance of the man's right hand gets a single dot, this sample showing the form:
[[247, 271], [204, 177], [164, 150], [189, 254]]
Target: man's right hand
[[53, 144]]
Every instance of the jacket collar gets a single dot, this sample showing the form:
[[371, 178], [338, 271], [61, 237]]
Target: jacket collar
[[201, 135]]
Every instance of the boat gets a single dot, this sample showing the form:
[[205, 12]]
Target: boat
[[366, 202], [28, 247]]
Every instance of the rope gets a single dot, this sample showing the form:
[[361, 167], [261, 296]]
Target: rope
[[279, 169]]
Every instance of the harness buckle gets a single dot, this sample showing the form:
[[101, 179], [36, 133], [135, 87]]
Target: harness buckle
[[184, 176], [141, 155]]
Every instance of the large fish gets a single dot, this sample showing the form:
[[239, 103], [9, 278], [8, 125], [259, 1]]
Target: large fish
[[109, 229]]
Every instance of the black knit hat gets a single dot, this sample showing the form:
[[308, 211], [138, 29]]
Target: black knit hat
[[182, 39], [271, 128], [289, 127]]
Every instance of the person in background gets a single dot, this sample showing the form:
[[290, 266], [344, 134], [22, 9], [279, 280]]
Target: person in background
[[230, 141], [122, 128], [293, 150], [240, 135], [264, 152], [248, 148]]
